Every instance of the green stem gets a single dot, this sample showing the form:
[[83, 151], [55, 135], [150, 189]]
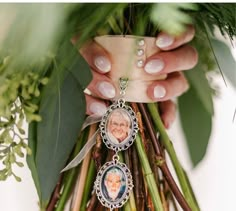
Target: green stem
[[69, 183], [149, 177], [187, 191], [71, 175], [88, 185], [127, 207], [113, 24], [130, 204]]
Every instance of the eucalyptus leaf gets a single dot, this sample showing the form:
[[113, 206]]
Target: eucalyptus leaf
[[70, 59], [196, 123], [199, 82], [225, 59], [81, 72], [63, 113], [62, 108]]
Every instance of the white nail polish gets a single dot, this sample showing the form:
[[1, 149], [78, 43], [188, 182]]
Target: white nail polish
[[159, 92], [164, 41], [106, 89], [87, 91], [97, 108], [102, 63], [154, 66]]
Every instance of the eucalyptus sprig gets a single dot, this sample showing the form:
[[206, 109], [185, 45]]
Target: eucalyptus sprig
[[18, 94]]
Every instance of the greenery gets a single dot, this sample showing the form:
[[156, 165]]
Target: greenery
[[42, 78]]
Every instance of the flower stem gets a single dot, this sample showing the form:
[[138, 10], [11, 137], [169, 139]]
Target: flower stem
[[88, 185], [83, 175], [55, 196], [160, 159], [70, 175], [169, 147], [130, 204], [149, 177], [138, 182]]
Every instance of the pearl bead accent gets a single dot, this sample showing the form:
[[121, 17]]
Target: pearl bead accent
[[141, 42], [140, 52], [140, 63]]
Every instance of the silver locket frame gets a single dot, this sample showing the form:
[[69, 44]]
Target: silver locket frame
[[119, 105], [99, 184]]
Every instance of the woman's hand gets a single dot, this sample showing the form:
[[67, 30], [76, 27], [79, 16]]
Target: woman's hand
[[173, 57]]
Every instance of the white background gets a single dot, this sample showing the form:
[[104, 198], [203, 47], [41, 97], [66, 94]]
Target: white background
[[213, 179]]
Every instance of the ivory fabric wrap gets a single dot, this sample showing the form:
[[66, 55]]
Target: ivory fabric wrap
[[124, 58]]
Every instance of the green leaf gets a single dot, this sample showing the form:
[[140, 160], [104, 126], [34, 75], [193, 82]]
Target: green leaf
[[225, 59], [91, 19], [196, 123], [32, 141], [171, 17], [199, 82], [63, 113], [81, 72], [76, 64], [62, 108]]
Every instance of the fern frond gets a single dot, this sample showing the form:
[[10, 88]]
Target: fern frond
[[222, 15]]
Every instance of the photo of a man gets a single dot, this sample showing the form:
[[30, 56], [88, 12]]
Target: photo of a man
[[118, 127], [113, 184]]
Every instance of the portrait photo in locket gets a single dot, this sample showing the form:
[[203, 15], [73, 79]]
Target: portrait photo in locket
[[113, 184], [119, 126]]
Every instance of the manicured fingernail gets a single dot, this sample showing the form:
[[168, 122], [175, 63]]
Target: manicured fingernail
[[102, 63], [164, 41], [106, 89], [154, 66], [166, 124], [87, 91], [159, 92], [97, 108]]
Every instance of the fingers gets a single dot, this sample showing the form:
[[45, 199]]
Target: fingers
[[175, 85], [183, 58], [168, 112], [149, 86], [168, 42], [148, 91], [96, 57], [95, 106], [101, 86]]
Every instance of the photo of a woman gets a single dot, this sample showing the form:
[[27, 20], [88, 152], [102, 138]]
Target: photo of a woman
[[119, 126]]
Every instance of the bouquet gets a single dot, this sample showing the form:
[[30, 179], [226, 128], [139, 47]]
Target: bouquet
[[43, 78]]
